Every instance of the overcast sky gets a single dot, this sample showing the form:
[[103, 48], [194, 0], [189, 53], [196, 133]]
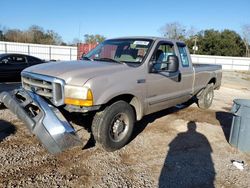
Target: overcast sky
[[114, 18]]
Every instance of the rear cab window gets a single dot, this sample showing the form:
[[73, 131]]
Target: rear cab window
[[183, 54]]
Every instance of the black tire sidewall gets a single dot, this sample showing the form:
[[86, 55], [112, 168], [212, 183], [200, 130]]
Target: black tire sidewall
[[109, 113]]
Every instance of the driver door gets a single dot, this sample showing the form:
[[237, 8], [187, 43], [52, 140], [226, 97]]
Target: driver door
[[162, 90]]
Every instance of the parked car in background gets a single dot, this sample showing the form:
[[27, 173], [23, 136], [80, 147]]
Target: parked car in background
[[11, 66]]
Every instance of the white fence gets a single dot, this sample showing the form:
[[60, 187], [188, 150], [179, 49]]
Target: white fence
[[47, 52], [228, 63]]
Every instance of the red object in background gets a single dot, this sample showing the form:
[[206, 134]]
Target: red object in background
[[84, 49]]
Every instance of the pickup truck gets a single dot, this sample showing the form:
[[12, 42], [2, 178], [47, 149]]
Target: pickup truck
[[120, 81]]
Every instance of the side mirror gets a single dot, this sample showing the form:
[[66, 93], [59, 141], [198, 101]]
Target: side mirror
[[173, 63]]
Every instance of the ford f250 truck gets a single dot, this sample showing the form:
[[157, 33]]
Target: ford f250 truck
[[120, 81]]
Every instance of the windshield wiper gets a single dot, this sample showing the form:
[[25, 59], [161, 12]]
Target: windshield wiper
[[107, 59], [86, 58]]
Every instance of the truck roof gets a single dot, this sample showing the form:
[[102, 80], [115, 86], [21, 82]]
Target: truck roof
[[148, 38]]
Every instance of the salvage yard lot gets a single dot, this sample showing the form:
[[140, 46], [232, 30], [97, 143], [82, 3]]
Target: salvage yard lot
[[177, 147]]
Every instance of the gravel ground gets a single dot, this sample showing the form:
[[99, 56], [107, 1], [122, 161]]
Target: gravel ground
[[177, 147]]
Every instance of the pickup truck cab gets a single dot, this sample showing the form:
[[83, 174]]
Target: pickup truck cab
[[121, 80]]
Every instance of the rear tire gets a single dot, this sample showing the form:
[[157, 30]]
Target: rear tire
[[206, 98], [112, 127]]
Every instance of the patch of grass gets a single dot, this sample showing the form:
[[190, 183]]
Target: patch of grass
[[246, 78]]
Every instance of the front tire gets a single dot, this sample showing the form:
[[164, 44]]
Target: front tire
[[206, 98], [112, 127]]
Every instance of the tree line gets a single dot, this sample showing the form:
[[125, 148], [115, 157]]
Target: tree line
[[205, 42], [210, 42], [34, 34]]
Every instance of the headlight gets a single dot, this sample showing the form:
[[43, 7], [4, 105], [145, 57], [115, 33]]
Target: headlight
[[79, 96]]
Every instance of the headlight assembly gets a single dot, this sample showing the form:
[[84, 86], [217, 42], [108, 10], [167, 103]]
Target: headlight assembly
[[79, 96]]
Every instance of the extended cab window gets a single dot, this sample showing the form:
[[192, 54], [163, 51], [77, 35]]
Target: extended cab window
[[183, 55]]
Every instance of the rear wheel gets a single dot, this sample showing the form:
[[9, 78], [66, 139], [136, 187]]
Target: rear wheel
[[112, 127], [206, 98]]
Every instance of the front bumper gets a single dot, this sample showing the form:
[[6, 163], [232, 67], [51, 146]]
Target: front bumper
[[42, 119]]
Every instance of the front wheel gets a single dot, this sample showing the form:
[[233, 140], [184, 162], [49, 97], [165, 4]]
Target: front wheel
[[206, 98], [112, 127]]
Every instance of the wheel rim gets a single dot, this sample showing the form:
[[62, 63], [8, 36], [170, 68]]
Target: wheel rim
[[209, 97], [119, 127]]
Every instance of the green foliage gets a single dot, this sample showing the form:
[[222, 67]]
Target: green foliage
[[221, 43], [210, 42], [93, 39]]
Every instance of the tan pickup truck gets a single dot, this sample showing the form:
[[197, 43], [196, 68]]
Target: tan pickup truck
[[121, 80]]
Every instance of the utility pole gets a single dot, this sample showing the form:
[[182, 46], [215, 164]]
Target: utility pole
[[195, 47], [247, 47]]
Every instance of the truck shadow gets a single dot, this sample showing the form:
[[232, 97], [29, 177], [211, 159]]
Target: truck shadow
[[219, 118], [223, 119], [2, 107], [6, 129], [84, 121], [143, 123]]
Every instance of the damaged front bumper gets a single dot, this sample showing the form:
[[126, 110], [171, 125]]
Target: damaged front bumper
[[42, 119]]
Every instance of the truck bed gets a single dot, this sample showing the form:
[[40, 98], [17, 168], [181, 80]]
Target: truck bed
[[203, 74], [205, 67]]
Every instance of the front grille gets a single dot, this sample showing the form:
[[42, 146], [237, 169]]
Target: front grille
[[40, 87], [48, 87]]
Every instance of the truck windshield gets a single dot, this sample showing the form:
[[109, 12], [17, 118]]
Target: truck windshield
[[120, 50]]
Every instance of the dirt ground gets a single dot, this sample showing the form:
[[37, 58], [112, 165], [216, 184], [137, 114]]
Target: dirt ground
[[177, 147]]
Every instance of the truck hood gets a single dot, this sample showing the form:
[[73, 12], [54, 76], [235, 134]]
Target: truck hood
[[76, 72]]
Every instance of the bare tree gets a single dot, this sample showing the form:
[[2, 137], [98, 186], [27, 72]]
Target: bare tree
[[191, 32], [34, 34], [246, 38], [14, 35], [173, 30], [76, 41]]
